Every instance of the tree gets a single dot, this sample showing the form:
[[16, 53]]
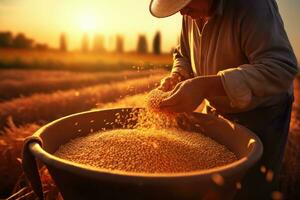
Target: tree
[[85, 43], [6, 39], [98, 43], [157, 43], [22, 42], [119, 44], [142, 44], [63, 42]]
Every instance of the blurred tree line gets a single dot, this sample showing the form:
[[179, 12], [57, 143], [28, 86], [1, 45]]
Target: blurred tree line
[[21, 41], [142, 46], [98, 44]]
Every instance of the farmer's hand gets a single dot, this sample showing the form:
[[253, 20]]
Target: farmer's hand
[[168, 83], [185, 97], [188, 94]]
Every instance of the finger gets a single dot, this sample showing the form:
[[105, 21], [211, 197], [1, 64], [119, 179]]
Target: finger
[[178, 108], [165, 80], [160, 87], [176, 88], [164, 87], [162, 81], [171, 100]]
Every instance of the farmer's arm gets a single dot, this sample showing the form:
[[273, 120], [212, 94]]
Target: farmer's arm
[[271, 69], [272, 63], [181, 69], [181, 55]]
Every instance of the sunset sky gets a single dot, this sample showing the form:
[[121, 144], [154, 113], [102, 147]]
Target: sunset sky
[[44, 20]]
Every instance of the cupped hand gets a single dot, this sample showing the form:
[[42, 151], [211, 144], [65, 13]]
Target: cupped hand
[[185, 97], [168, 83]]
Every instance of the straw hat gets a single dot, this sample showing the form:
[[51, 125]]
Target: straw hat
[[165, 8]]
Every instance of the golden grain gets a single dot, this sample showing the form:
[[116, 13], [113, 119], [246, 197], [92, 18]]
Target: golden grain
[[153, 145], [147, 150]]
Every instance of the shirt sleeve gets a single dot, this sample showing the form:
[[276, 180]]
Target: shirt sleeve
[[272, 63], [181, 55]]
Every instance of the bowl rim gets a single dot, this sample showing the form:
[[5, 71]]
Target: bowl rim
[[94, 172]]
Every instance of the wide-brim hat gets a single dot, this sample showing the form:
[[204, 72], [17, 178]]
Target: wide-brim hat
[[165, 8]]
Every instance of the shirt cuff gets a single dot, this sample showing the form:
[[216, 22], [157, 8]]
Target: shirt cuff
[[237, 90]]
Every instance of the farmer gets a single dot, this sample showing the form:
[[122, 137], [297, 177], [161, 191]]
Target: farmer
[[236, 54]]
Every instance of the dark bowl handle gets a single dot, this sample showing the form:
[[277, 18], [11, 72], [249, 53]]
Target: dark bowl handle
[[30, 166]]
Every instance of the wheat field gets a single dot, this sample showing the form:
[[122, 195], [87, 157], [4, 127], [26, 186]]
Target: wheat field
[[19, 83]]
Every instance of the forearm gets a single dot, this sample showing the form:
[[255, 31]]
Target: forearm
[[181, 55], [255, 80]]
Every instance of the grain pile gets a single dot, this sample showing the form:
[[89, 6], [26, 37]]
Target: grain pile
[[148, 151], [152, 116], [154, 145]]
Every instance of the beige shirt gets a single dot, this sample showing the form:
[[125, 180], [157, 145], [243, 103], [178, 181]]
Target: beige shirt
[[246, 44]]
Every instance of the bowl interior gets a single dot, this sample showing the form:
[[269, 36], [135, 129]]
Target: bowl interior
[[236, 138]]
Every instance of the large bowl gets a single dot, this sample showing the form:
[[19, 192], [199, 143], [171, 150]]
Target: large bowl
[[76, 181]]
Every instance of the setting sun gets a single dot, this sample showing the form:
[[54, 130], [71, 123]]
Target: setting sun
[[129, 18], [88, 22]]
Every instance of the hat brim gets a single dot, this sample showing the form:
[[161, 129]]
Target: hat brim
[[166, 8]]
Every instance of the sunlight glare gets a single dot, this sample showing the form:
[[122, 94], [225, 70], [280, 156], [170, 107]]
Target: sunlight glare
[[88, 22]]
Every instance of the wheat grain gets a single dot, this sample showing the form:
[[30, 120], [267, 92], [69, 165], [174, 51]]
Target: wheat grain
[[147, 150]]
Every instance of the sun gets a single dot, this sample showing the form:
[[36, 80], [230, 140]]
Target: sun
[[88, 22]]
